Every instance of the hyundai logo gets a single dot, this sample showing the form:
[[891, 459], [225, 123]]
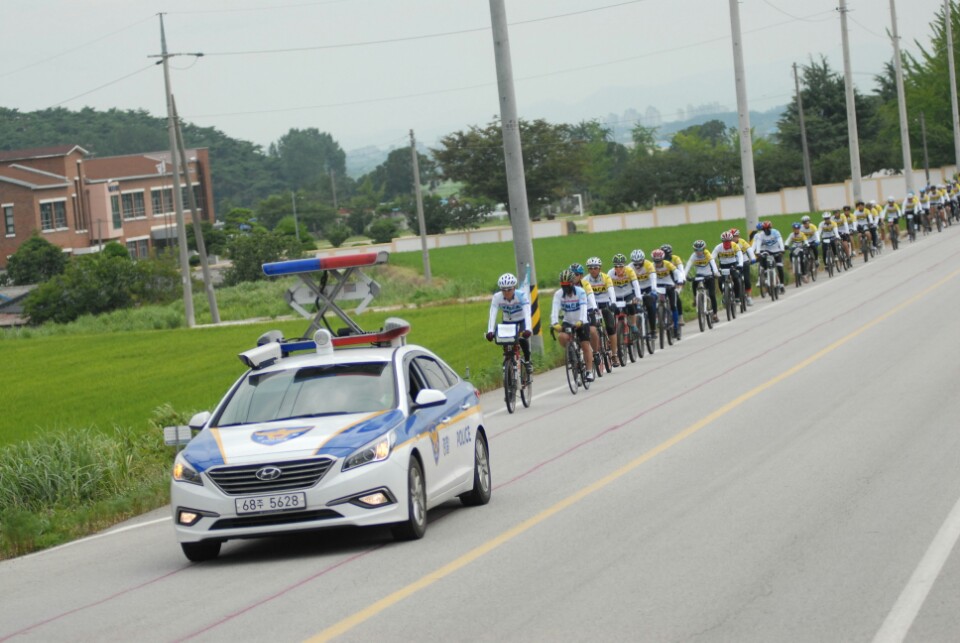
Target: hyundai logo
[[268, 473]]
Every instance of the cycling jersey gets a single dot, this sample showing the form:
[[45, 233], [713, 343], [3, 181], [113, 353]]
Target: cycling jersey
[[764, 242], [602, 287], [587, 288], [646, 275], [668, 275], [702, 264], [746, 249], [676, 261], [829, 230], [573, 306], [729, 257], [843, 222], [811, 233], [625, 286], [514, 310], [891, 212], [864, 217], [911, 205], [796, 239]]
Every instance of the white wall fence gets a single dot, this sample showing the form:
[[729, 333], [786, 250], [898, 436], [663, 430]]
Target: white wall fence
[[825, 197]]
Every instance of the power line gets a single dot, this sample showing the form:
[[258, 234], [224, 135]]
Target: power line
[[139, 71]]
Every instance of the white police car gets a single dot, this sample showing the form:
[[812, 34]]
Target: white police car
[[366, 435]]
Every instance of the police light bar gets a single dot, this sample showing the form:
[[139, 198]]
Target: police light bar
[[393, 336], [393, 333], [316, 264]]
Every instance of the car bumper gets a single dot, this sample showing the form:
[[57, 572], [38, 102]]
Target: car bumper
[[330, 503]]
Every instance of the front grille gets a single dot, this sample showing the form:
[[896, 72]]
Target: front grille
[[294, 474], [282, 518]]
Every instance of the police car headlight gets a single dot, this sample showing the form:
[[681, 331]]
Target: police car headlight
[[376, 451], [183, 472]]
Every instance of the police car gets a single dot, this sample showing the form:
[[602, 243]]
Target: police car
[[375, 432]]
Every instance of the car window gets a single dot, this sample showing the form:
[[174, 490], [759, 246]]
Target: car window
[[433, 372], [311, 391]]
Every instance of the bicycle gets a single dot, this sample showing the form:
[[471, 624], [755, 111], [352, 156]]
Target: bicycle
[[702, 299], [602, 360], [893, 231], [573, 364], [797, 261], [665, 317], [866, 244], [645, 325], [727, 293], [831, 257], [625, 348], [516, 377], [769, 277], [911, 227]]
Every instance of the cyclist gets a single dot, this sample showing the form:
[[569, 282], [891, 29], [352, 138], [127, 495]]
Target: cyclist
[[516, 310], [770, 240], [866, 221], [702, 264], [891, 213], [911, 210], [728, 255], [942, 200], [829, 233], [578, 271], [647, 280], [572, 301], [748, 259], [670, 277], [603, 294], [797, 239], [845, 223], [812, 233], [676, 261]]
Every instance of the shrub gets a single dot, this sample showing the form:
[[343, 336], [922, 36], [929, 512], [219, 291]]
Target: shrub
[[383, 230], [248, 253], [336, 234], [36, 261]]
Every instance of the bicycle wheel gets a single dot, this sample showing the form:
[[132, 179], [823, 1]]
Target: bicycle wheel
[[598, 361], [662, 324], [895, 236], [605, 350], [636, 339], [670, 326], [828, 260], [526, 387], [797, 269], [621, 342], [571, 366], [582, 371], [701, 310], [509, 384], [772, 284], [814, 268], [939, 223], [728, 299]]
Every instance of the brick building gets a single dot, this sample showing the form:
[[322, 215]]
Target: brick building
[[81, 203]]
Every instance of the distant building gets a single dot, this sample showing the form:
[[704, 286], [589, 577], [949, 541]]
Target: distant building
[[81, 203]]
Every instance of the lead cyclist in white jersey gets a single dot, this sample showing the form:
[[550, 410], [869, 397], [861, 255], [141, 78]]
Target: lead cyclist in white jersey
[[516, 310]]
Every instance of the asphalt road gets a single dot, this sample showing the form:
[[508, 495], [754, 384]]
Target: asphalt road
[[790, 476]]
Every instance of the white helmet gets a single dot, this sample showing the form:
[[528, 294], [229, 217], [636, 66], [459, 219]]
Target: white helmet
[[827, 216], [890, 199], [507, 280], [637, 256]]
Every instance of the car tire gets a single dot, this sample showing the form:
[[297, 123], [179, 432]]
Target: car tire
[[482, 484], [202, 550], [415, 526]]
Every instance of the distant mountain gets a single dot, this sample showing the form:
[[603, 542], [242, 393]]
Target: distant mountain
[[763, 123]]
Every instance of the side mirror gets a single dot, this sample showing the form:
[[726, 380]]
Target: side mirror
[[198, 421], [429, 397], [179, 435]]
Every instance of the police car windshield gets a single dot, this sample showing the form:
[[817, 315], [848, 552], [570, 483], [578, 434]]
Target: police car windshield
[[310, 391]]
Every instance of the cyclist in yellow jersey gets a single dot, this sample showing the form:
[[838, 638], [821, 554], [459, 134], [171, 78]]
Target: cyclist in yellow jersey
[[829, 233], [846, 228], [911, 212], [866, 221], [702, 264], [796, 242], [647, 280], [749, 258], [602, 286], [668, 279], [678, 262], [578, 271], [626, 289], [728, 256]]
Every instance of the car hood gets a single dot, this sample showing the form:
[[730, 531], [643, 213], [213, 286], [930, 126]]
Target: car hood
[[336, 435]]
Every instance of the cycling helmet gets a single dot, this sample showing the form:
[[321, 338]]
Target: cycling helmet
[[699, 245], [726, 236], [860, 202], [619, 260], [827, 216], [735, 232], [890, 199], [567, 277], [795, 225], [804, 219], [767, 225], [576, 269], [637, 256], [667, 249], [657, 255], [507, 280], [594, 262], [759, 226]]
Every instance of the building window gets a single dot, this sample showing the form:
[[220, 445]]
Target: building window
[[139, 248], [115, 208], [60, 214], [161, 200], [8, 220], [46, 217], [133, 206]]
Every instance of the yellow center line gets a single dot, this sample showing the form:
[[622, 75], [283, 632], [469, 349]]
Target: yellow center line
[[379, 606]]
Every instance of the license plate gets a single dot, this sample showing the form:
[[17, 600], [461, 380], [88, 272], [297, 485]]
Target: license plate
[[268, 504]]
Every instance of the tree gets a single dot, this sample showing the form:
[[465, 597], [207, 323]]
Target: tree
[[467, 213], [306, 158], [435, 216], [36, 261], [248, 253], [383, 230], [475, 158], [394, 177], [336, 233]]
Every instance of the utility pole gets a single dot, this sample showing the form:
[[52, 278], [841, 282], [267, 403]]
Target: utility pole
[[948, 20], [923, 136], [420, 219], [746, 143], [901, 101], [177, 198], [333, 187], [513, 157], [296, 223], [852, 137], [807, 175], [195, 218]]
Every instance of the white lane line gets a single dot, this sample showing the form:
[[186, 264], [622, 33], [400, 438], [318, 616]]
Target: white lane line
[[112, 532], [905, 610]]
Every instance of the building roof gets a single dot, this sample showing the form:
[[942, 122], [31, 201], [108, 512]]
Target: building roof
[[30, 178], [129, 166], [39, 153]]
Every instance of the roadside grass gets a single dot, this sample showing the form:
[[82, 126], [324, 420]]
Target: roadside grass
[[80, 445]]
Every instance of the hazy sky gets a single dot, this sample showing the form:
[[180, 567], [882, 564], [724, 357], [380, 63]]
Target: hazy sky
[[368, 71]]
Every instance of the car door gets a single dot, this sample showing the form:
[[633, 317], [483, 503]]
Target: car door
[[455, 431]]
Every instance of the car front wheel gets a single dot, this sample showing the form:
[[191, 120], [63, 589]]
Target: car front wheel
[[415, 525]]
